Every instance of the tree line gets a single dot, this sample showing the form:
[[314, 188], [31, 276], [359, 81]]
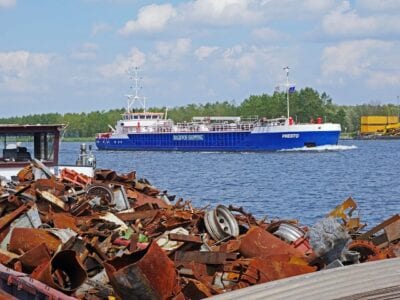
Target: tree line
[[305, 104]]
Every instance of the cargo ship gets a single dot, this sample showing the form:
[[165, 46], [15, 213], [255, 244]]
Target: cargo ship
[[153, 131]]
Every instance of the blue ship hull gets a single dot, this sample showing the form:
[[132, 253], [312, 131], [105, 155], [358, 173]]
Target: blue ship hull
[[218, 141]]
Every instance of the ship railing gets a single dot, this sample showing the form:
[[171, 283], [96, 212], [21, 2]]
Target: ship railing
[[250, 119], [147, 129], [213, 119], [272, 122], [232, 127]]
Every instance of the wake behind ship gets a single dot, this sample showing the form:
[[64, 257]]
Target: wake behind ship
[[148, 131]]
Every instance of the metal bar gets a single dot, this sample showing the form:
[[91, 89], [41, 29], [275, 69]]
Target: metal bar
[[203, 257], [379, 227]]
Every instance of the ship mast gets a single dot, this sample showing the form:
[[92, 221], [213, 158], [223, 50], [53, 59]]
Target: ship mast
[[135, 98], [287, 90]]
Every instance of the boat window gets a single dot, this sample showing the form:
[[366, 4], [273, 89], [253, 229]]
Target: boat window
[[142, 117], [135, 117], [16, 148], [25, 146]]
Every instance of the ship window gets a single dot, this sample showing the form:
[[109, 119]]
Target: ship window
[[21, 147], [135, 117], [141, 117]]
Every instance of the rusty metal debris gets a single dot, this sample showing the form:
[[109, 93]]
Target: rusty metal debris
[[118, 236]]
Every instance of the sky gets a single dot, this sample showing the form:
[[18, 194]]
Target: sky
[[74, 55]]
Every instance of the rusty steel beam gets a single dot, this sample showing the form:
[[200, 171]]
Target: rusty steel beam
[[53, 199], [379, 227], [133, 216], [7, 219], [205, 257], [195, 239]]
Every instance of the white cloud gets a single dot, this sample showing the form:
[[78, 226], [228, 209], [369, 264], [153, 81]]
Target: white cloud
[[90, 46], [236, 59], [122, 64], [369, 60], [7, 3], [18, 69], [88, 51], [297, 10], [235, 12], [319, 6], [346, 22], [175, 49], [222, 12], [388, 6], [246, 61], [352, 58], [166, 55], [384, 79], [266, 34], [170, 55], [100, 27], [154, 18], [204, 52], [151, 18], [112, 1]]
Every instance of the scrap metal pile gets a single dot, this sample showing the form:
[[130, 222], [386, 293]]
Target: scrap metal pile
[[116, 236]]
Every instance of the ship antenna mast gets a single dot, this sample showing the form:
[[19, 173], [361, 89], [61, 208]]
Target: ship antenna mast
[[135, 98], [287, 90]]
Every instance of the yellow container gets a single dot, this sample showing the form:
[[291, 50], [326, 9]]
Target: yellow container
[[372, 128], [379, 120]]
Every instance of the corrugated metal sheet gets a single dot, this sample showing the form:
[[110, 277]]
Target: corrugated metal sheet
[[372, 128], [373, 280], [379, 120]]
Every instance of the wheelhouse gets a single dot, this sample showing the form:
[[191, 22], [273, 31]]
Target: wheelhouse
[[128, 116], [21, 143]]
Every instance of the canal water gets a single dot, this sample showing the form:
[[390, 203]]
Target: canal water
[[299, 184]]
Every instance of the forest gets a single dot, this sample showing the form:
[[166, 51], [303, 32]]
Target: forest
[[305, 104]]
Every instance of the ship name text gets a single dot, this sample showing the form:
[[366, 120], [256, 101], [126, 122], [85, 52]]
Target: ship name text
[[188, 137], [290, 136]]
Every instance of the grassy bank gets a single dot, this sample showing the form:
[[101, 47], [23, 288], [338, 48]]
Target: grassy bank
[[79, 139], [347, 135]]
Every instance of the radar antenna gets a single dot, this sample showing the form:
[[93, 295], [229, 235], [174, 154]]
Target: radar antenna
[[132, 99]]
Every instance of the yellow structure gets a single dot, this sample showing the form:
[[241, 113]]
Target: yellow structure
[[378, 124]]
